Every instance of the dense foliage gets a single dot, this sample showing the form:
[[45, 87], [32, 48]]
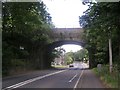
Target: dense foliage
[[80, 55], [25, 34], [102, 22], [57, 52], [69, 58]]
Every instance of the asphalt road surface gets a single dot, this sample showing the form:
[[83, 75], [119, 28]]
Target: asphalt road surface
[[74, 77]]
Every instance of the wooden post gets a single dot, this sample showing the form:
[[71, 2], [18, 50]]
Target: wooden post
[[110, 55]]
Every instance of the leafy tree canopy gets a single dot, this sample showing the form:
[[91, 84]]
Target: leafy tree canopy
[[101, 22]]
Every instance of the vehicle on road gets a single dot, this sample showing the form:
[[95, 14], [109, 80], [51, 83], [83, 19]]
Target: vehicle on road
[[71, 65]]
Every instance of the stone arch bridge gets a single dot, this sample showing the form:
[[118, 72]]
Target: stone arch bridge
[[61, 36]]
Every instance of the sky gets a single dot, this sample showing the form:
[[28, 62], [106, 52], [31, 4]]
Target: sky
[[65, 14], [71, 47]]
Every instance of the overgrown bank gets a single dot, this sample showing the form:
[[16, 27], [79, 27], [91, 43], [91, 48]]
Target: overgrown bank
[[25, 36], [111, 80]]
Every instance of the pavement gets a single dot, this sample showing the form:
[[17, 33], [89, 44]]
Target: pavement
[[90, 80]]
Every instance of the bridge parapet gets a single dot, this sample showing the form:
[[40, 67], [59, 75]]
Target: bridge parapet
[[75, 34]]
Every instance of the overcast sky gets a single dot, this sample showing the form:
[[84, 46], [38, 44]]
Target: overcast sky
[[65, 13], [71, 47]]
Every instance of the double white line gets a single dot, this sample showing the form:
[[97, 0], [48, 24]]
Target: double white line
[[73, 78], [31, 80]]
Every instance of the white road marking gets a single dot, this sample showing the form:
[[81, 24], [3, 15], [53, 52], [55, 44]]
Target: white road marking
[[31, 80], [73, 78], [78, 80]]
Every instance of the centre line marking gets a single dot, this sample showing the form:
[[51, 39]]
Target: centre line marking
[[31, 80], [78, 80], [73, 78]]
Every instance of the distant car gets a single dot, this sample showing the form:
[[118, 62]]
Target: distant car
[[71, 65]]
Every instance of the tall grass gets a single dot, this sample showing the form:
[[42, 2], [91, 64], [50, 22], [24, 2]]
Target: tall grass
[[110, 79]]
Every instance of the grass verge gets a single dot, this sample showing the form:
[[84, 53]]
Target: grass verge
[[60, 66], [110, 80]]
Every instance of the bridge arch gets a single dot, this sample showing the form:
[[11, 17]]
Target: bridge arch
[[62, 36], [55, 44], [64, 42]]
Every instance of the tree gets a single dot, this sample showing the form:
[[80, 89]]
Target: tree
[[57, 52], [69, 58], [100, 22], [81, 55], [26, 25]]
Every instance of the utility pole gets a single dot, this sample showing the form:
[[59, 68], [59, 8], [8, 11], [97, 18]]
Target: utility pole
[[110, 56]]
